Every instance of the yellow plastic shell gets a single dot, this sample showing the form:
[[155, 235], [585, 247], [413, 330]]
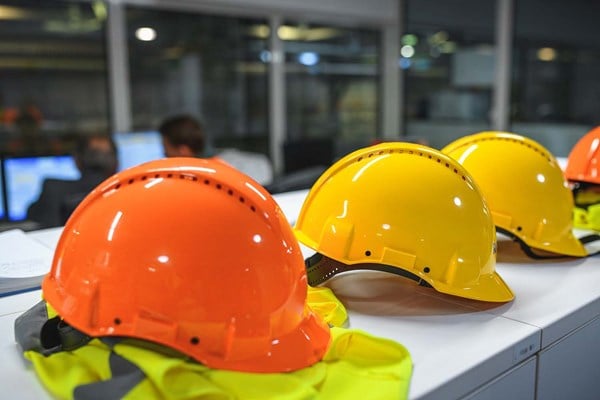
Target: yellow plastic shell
[[407, 206], [524, 187]]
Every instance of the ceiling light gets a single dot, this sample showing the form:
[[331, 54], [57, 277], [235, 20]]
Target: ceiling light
[[145, 34]]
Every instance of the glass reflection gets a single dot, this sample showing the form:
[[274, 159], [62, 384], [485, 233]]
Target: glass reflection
[[449, 74]]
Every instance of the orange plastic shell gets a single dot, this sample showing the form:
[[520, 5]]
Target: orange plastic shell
[[584, 159], [192, 254]]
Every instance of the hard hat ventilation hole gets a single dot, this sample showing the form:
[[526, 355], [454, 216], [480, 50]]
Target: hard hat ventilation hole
[[410, 152], [528, 145], [117, 186], [426, 270], [464, 178], [359, 159], [219, 186], [370, 155], [421, 153], [194, 340], [519, 228], [430, 156], [455, 170], [438, 160], [368, 253], [447, 165], [117, 321], [230, 192]]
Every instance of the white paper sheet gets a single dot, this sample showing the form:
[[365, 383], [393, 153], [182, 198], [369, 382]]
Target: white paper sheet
[[22, 256]]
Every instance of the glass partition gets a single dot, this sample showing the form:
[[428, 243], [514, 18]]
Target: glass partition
[[332, 88], [556, 64], [53, 76], [448, 57], [209, 66]]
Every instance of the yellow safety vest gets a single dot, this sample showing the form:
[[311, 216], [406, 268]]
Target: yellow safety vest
[[356, 366], [587, 218]]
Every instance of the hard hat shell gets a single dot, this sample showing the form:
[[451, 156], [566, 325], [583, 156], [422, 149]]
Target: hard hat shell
[[410, 207], [192, 254], [583, 161], [524, 186]]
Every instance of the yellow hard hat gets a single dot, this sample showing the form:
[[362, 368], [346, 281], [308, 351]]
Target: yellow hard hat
[[408, 209], [524, 187]]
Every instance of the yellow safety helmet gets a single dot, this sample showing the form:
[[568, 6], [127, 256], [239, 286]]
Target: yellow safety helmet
[[403, 208], [524, 187]]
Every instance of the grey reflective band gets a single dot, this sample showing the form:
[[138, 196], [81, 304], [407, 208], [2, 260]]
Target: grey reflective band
[[125, 376], [34, 331], [28, 328]]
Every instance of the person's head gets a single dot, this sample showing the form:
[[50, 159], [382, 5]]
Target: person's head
[[182, 136], [96, 153]]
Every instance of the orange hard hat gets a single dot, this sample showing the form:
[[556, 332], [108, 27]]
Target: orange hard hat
[[583, 164], [191, 254]]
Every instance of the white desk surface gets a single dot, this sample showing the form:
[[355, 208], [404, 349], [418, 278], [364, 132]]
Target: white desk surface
[[454, 349], [557, 297], [456, 344], [17, 379]]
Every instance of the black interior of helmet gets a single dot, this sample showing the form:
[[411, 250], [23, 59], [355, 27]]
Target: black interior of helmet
[[320, 268], [530, 251], [585, 194]]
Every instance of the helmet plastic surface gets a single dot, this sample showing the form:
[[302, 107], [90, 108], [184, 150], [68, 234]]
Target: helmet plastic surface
[[524, 186], [583, 162], [408, 208], [194, 255]]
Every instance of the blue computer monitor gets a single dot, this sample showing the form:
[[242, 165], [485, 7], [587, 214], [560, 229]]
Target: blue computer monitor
[[25, 177], [2, 209], [134, 148]]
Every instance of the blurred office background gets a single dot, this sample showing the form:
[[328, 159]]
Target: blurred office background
[[300, 82]]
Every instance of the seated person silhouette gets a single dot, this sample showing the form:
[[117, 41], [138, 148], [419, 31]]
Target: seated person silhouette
[[182, 136], [96, 159]]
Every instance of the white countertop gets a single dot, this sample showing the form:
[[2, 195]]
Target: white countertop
[[454, 348], [555, 296]]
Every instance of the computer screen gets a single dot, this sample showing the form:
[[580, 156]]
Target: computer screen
[[25, 177], [134, 148], [2, 205]]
